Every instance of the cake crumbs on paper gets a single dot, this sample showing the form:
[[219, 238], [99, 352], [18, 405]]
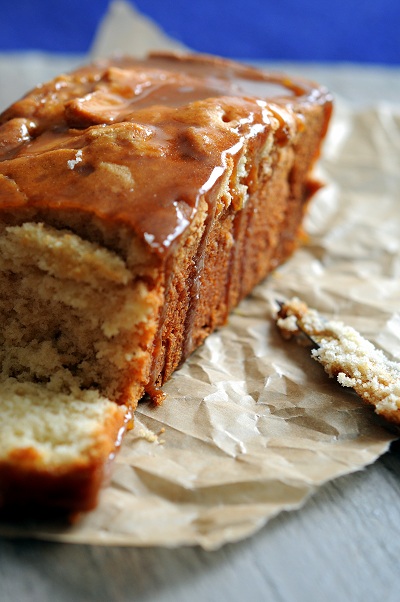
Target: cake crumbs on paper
[[346, 355], [150, 436]]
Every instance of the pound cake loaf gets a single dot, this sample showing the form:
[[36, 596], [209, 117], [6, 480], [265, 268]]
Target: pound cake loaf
[[140, 201]]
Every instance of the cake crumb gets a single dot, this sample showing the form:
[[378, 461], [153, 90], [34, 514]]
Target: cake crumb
[[150, 436], [346, 355]]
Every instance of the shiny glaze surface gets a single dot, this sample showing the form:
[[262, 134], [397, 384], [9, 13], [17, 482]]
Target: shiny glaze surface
[[139, 142]]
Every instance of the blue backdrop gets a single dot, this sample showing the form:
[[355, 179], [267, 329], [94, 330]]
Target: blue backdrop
[[306, 30]]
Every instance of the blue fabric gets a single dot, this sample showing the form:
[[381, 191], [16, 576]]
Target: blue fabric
[[308, 30]]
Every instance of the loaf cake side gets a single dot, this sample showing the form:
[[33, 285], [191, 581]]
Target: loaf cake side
[[140, 201]]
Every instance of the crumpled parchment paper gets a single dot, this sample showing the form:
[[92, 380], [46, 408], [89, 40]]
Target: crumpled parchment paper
[[252, 425]]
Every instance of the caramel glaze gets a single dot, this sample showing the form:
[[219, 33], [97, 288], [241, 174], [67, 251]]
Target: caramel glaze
[[139, 142]]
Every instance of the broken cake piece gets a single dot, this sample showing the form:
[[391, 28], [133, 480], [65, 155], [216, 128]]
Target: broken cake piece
[[345, 355]]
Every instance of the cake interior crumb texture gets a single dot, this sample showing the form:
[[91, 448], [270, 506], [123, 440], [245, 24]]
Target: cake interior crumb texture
[[71, 312], [49, 429]]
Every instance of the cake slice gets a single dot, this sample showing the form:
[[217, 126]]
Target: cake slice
[[55, 448], [140, 201]]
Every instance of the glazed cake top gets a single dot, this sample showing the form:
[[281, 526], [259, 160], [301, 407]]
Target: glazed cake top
[[139, 142]]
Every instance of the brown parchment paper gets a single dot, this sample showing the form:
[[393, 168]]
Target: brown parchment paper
[[252, 425]]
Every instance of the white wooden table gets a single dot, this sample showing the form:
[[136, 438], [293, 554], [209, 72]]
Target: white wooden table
[[343, 545]]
